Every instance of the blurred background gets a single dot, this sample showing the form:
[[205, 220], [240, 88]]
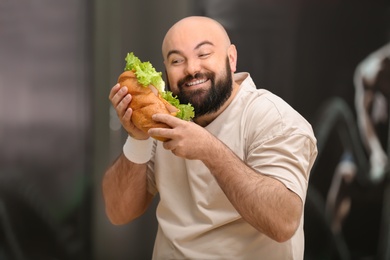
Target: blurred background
[[58, 133]]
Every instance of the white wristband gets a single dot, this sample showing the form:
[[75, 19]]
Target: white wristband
[[138, 151]]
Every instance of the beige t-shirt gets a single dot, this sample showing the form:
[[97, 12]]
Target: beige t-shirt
[[196, 220]]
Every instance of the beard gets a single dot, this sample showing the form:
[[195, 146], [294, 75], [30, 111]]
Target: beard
[[206, 101]]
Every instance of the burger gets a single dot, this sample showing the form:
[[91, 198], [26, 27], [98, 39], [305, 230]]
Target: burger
[[149, 96]]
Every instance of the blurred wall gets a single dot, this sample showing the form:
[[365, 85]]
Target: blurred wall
[[44, 124]]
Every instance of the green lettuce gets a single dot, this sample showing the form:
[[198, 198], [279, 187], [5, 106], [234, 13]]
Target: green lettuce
[[186, 112], [147, 75]]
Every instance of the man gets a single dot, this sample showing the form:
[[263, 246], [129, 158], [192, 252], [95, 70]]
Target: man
[[233, 182], [372, 92]]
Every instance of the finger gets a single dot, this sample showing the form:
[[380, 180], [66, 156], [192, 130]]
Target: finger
[[119, 95], [168, 146], [167, 119], [126, 120], [127, 116], [162, 132], [113, 91], [123, 105]]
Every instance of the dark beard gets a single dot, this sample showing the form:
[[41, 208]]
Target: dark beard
[[207, 101]]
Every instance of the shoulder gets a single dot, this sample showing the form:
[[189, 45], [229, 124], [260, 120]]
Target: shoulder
[[267, 115]]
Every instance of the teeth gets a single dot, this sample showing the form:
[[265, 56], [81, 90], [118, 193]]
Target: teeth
[[196, 82]]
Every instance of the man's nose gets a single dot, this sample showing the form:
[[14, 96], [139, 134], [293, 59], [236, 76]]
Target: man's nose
[[193, 67]]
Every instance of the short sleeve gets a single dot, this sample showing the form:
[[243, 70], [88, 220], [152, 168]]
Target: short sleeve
[[287, 158]]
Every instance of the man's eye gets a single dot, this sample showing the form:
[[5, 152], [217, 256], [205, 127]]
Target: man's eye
[[204, 55], [177, 61]]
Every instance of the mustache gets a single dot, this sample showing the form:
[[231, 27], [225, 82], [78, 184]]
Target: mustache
[[199, 75]]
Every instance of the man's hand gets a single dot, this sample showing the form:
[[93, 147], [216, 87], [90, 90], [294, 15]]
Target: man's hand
[[187, 139], [120, 100]]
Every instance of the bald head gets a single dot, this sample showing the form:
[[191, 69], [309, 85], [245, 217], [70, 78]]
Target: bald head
[[192, 30], [200, 63]]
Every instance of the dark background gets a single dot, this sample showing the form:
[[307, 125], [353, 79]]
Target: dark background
[[58, 134]]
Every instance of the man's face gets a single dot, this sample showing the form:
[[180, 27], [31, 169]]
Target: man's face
[[199, 62], [205, 100]]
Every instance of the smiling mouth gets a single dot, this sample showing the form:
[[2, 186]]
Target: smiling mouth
[[196, 82]]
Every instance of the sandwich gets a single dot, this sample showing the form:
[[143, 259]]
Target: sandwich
[[149, 97]]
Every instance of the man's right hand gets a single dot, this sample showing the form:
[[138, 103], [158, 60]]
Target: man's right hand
[[120, 100]]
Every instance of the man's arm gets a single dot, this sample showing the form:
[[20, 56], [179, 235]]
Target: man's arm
[[125, 182], [264, 202], [125, 190]]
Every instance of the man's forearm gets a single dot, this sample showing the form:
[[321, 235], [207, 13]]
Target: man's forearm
[[262, 201], [125, 190]]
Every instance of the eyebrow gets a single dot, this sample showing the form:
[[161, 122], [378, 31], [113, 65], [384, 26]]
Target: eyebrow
[[196, 47]]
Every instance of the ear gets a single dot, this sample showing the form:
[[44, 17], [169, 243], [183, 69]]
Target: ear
[[232, 55]]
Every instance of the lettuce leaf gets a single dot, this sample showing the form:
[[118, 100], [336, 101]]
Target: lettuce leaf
[[145, 72], [147, 75], [186, 112]]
